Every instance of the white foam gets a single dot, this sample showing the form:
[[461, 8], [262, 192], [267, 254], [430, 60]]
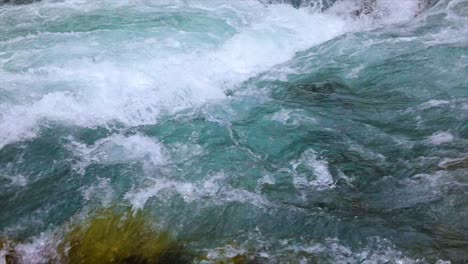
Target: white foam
[[16, 180], [80, 81], [311, 171], [433, 103], [37, 251], [355, 72], [102, 192], [120, 149], [441, 138], [376, 250], [213, 188], [292, 117]]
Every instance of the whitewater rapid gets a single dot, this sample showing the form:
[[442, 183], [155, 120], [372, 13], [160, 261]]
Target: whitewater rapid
[[307, 134], [133, 71]]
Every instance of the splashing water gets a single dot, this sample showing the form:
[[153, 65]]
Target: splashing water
[[309, 131]]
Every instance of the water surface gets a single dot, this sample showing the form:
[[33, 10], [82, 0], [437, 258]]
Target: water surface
[[307, 135]]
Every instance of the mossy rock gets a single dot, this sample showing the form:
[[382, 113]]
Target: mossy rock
[[121, 237], [12, 257]]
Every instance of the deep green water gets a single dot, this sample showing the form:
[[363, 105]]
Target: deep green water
[[306, 136]]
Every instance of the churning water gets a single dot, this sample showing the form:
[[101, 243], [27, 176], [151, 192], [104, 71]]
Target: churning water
[[311, 132]]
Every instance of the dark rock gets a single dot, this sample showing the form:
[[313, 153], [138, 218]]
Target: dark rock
[[12, 257], [366, 8], [322, 4]]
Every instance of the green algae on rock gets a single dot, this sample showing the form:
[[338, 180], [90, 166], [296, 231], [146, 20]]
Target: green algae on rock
[[113, 236]]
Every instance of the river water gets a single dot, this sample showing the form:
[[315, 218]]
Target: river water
[[308, 132]]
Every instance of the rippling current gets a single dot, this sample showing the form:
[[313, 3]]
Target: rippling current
[[314, 132]]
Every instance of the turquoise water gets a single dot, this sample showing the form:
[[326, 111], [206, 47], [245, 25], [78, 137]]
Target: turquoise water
[[305, 134]]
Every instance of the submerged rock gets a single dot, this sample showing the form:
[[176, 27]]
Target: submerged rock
[[454, 164]]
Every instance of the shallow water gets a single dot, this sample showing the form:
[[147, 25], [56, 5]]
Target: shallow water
[[306, 134]]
